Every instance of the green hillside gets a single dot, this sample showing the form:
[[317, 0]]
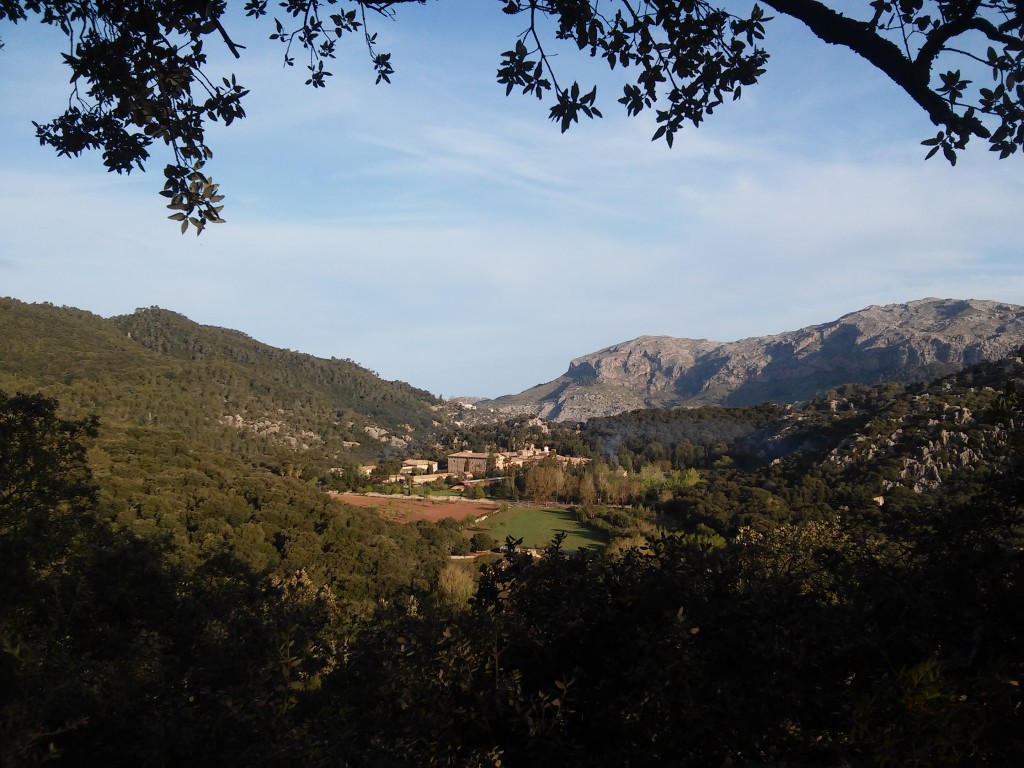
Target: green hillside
[[309, 383], [220, 387], [857, 448], [212, 443], [834, 584]]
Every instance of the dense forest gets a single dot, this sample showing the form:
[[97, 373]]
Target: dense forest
[[158, 368], [834, 583]]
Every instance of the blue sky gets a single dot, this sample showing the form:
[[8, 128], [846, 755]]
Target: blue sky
[[440, 233]]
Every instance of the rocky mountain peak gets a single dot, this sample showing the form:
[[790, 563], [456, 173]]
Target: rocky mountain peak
[[895, 342]]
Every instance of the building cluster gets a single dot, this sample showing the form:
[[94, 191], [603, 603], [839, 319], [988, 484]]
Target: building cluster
[[477, 464], [467, 465]]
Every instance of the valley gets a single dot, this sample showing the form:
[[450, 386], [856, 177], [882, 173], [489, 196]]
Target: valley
[[243, 549], [736, 479]]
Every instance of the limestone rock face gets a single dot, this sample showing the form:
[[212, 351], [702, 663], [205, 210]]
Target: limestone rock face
[[897, 342]]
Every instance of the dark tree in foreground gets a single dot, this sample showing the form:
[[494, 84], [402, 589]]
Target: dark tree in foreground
[[111, 656], [813, 645], [140, 76]]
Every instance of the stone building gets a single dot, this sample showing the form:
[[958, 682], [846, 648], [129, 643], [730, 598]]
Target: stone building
[[473, 463]]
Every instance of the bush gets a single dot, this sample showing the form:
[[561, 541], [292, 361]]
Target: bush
[[482, 542]]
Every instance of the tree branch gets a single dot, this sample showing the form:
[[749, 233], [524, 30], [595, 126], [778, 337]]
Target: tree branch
[[836, 29], [938, 38], [231, 44]]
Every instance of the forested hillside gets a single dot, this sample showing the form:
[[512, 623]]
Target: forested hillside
[[284, 376], [888, 447], [834, 584], [217, 386], [168, 558], [213, 443]]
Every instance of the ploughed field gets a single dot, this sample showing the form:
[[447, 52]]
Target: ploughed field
[[409, 509]]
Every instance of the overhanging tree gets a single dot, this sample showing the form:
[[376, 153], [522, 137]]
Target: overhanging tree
[[139, 71]]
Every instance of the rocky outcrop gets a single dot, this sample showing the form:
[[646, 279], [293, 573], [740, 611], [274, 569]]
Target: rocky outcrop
[[898, 342]]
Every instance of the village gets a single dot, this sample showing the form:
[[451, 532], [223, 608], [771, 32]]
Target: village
[[472, 467]]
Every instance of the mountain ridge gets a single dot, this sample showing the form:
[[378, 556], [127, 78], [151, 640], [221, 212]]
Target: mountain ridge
[[906, 342], [158, 367]]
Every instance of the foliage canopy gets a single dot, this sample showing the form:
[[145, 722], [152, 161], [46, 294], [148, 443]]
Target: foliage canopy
[[139, 71], [844, 590]]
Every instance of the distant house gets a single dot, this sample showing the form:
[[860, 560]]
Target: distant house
[[473, 463], [418, 467]]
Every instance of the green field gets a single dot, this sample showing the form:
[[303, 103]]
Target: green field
[[537, 527]]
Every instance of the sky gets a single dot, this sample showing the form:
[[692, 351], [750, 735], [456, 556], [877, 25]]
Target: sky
[[438, 232]]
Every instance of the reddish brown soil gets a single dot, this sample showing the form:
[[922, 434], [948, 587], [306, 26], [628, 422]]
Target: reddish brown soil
[[409, 509]]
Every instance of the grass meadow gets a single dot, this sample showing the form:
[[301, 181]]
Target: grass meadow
[[537, 527]]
